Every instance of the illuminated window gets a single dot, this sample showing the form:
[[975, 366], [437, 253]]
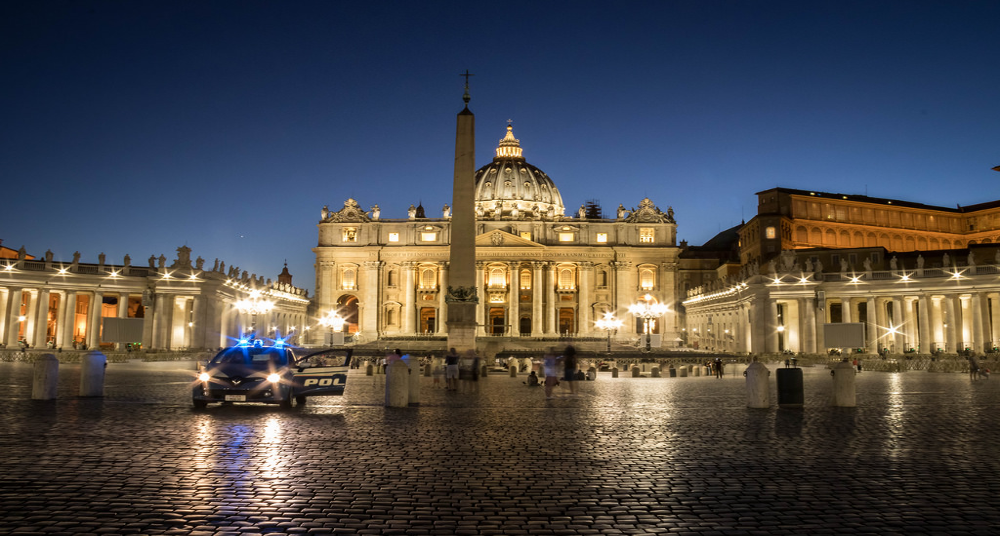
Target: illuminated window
[[646, 235], [350, 234], [566, 280], [428, 279], [646, 279], [394, 237], [525, 279], [498, 279], [602, 238], [348, 280], [428, 236], [769, 232], [565, 237], [526, 235]]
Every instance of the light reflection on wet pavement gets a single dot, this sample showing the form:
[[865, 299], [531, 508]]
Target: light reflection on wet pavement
[[629, 455]]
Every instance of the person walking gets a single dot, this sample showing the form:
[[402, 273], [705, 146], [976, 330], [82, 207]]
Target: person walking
[[451, 370], [718, 367], [569, 368], [550, 366]]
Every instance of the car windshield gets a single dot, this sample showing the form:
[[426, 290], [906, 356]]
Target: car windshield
[[252, 356]]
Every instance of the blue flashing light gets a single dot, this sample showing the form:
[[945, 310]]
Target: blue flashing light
[[279, 342], [244, 342]]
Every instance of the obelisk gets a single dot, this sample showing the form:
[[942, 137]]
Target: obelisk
[[462, 297]]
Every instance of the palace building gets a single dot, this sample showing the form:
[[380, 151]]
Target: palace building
[[540, 273], [920, 278]]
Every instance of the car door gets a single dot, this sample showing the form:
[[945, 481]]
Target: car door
[[322, 373]]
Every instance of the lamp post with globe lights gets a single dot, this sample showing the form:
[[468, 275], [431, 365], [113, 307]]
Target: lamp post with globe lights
[[609, 323], [647, 310], [336, 323], [254, 304]]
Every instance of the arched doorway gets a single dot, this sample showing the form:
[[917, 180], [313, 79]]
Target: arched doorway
[[347, 308]]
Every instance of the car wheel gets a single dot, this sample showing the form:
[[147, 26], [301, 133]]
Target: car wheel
[[300, 400], [286, 403], [200, 404]]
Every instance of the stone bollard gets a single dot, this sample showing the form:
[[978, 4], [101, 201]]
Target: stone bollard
[[397, 385], [843, 384], [697, 371], [92, 367], [635, 371], [413, 387], [46, 378], [614, 372], [484, 371], [369, 369], [512, 369], [654, 372], [758, 388], [682, 372]]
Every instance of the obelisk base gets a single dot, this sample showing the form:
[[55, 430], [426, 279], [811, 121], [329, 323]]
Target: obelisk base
[[462, 326]]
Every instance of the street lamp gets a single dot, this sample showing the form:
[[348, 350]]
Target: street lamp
[[609, 323], [647, 310], [336, 323], [254, 305]]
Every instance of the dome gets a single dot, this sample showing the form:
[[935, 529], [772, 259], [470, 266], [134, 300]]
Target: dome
[[520, 190]]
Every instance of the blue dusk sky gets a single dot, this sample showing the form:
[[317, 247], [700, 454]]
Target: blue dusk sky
[[140, 126]]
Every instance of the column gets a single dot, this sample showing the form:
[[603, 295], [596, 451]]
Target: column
[[162, 311], [13, 312], [771, 326], [5, 319], [758, 327], [898, 318], [536, 299], [952, 323], [668, 286], [923, 319], [94, 322], [820, 321], [994, 337], [65, 339], [626, 295], [808, 320], [41, 319], [325, 284], [484, 300], [872, 326], [369, 305], [846, 314], [29, 317], [552, 305], [409, 299], [200, 319], [442, 326], [513, 300], [585, 324], [976, 303]]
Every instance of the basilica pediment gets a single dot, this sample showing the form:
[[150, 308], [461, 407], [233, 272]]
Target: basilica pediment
[[498, 238]]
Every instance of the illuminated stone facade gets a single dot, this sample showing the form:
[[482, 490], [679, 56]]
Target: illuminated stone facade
[[183, 305], [922, 279], [540, 273]]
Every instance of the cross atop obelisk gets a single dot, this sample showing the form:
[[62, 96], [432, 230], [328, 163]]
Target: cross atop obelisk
[[462, 298]]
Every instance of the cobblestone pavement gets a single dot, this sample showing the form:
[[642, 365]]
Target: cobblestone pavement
[[919, 455]]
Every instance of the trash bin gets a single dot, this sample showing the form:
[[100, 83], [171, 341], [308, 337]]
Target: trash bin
[[790, 387]]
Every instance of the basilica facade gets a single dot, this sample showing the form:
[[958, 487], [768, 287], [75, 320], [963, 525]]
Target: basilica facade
[[540, 272]]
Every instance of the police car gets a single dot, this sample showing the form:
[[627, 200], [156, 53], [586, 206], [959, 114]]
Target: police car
[[252, 372]]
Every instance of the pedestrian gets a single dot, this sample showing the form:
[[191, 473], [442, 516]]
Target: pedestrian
[[569, 368], [973, 368], [857, 363], [451, 370], [477, 366], [718, 368], [550, 366], [437, 369]]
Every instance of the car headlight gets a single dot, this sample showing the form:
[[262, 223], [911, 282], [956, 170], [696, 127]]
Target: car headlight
[[204, 377], [274, 378]]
